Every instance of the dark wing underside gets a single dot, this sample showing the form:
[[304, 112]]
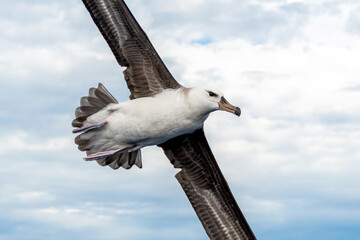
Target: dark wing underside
[[146, 74], [206, 187]]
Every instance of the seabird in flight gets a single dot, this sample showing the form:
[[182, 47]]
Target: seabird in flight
[[161, 112]]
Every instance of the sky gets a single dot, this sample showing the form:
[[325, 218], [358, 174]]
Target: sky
[[292, 160]]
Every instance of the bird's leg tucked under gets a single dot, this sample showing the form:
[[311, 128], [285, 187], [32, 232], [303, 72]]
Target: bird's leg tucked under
[[105, 154], [89, 127]]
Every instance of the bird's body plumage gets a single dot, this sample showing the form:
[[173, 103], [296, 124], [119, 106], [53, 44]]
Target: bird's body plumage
[[162, 113], [145, 121]]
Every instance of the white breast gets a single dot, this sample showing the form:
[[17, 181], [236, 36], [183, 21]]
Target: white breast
[[152, 120]]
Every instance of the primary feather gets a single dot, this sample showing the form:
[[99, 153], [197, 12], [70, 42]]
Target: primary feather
[[146, 75]]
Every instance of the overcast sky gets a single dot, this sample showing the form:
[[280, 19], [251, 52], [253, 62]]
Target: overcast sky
[[292, 159]]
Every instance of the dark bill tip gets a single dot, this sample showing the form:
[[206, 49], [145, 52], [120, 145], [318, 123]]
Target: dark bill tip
[[237, 111]]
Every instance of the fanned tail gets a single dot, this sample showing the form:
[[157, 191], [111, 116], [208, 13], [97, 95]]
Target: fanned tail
[[90, 138], [98, 98], [122, 159]]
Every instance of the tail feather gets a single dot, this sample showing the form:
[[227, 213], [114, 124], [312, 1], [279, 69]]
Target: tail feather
[[122, 159], [89, 109], [89, 141], [85, 101], [104, 93], [98, 98], [82, 143], [95, 102], [76, 123], [80, 114], [89, 127]]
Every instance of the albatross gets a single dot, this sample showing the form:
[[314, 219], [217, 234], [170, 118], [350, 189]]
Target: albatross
[[160, 112]]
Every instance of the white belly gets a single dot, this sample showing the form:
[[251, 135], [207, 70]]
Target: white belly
[[151, 121]]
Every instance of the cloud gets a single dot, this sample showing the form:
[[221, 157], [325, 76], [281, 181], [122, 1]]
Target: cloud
[[353, 88], [291, 159], [353, 22], [217, 20], [21, 142]]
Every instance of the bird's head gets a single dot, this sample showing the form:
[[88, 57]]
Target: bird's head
[[210, 99]]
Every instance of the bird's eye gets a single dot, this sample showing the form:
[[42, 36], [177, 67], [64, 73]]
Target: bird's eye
[[211, 94]]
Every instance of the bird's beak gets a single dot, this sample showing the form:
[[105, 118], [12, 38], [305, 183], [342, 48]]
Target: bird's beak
[[226, 106]]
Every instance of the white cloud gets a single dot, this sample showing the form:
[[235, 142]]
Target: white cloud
[[22, 142], [353, 22], [48, 39], [33, 196], [271, 212], [292, 66]]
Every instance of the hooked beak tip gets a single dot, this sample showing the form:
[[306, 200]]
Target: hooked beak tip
[[237, 111], [226, 106]]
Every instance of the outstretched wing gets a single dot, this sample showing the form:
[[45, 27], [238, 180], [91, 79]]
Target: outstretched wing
[[146, 74], [206, 187]]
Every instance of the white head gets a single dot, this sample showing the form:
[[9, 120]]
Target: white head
[[207, 100]]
